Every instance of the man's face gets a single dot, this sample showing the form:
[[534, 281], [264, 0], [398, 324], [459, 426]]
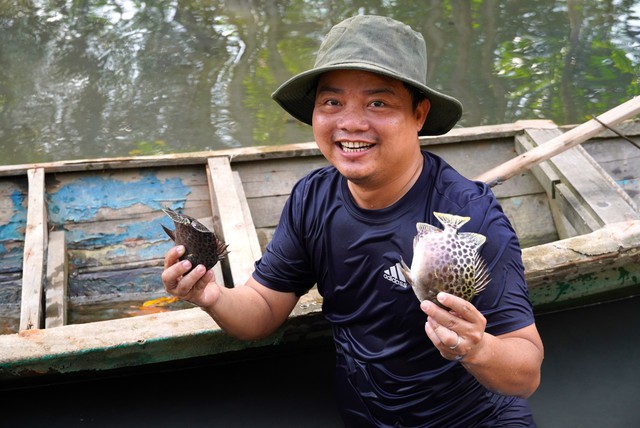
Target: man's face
[[365, 126]]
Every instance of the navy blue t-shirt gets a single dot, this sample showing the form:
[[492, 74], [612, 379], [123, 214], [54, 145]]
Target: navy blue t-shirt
[[388, 372]]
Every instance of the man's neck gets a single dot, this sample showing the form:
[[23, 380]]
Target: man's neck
[[381, 196]]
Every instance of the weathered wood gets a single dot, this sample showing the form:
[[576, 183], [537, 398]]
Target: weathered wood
[[266, 211], [252, 237], [568, 209], [594, 191], [56, 288], [233, 228], [621, 160], [531, 216], [267, 178], [142, 340], [590, 268], [31, 313], [13, 220], [577, 135], [247, 154]]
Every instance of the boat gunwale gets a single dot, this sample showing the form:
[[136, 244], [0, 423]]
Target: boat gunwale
[[247, 154]]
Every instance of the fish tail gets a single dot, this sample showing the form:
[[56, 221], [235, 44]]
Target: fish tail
[[455, 221]]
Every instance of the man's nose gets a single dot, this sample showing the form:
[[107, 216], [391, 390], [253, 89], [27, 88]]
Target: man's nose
[[353, 118]]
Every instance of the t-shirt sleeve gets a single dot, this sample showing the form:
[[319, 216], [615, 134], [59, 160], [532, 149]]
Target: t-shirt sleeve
[[505, 301], [285, 265]]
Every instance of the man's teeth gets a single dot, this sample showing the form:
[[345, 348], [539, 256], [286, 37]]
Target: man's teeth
[[355, 146]]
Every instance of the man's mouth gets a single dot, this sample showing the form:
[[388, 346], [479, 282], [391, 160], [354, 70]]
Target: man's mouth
[[354, 146]]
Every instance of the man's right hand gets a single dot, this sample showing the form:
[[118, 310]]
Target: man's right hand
[[198, 286]]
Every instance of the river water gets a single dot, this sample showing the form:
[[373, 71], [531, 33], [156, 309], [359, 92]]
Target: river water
[[93, 78]]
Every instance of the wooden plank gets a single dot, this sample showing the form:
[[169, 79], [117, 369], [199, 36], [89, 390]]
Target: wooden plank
[[590, 268], [561, 143], [143, 340], [471, 158], [544, 172], [254, 243], [570, 217], [244, 154], [569, 209], [531, 217], [621, 160], [267, 211], [226, 204], [601, 195], [57, 274], [31, 313], [276, 177], [13, 219], [622, 192]]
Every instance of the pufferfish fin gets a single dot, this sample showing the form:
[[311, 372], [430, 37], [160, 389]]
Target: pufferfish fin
[[475, 240], [427, 228], [169, 232], [454, 221], [481, 274]]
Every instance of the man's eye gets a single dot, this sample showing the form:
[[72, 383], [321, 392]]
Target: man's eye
[[377, 104]]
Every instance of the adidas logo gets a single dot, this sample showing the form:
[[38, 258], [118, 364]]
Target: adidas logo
[[394, 274]]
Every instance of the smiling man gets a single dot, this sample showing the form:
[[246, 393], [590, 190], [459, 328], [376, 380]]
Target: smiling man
[[399, 362]]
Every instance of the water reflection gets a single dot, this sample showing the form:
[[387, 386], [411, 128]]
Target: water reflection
[[80, 79]]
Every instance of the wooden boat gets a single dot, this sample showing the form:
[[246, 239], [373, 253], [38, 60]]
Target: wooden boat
[[82, 246]]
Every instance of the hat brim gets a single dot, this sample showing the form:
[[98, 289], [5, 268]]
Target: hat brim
[[297, 97]]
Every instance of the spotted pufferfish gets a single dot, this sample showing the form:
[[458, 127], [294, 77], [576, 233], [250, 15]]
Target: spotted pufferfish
[[446, 260]]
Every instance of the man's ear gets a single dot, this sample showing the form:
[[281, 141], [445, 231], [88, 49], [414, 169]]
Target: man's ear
[[422, 111]]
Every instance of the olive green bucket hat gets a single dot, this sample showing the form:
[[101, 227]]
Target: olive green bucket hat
[[379, 45]]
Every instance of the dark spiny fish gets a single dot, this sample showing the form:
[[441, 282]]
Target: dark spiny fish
[[446, 260], [201, 244]]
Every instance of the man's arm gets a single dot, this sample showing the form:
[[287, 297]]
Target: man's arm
[[249, 312]]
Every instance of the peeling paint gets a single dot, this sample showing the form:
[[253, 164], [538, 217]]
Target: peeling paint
[[14, 228], [81, 200], [150, 230]]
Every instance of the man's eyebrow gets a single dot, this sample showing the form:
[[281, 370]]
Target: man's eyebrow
[[329, 88], [373, 91], [383, 90]]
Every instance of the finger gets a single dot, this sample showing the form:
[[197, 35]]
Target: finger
[[443, 317], [447, 337], [197, 278], [192, 285], [459, 307], [443, 347], [171, 257], [431, 333], [172, 275]]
